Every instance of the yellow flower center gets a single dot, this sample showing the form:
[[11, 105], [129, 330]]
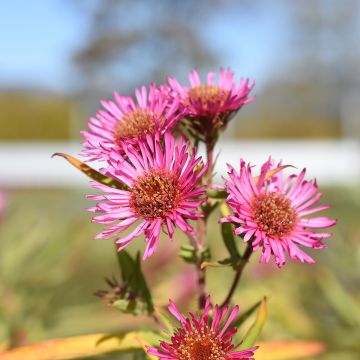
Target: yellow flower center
[[201, 345], [134, 123], [208, 96], [274, 214], [155, 194]]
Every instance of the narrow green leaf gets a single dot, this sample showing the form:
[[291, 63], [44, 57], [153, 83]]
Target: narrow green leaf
[[255, 329], [137, 289], [239, 320], [162, 316], [92, 173], [217, 264], [127, 265], [144, 289], [228, 236]]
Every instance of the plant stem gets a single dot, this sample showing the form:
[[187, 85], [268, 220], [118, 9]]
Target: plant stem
[[210, 160], [244, 260], [201, 233], [200, 272]]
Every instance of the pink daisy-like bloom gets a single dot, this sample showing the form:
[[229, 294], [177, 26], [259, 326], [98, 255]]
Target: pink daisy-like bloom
[[271, 212], [125, 120], [163, 181], [209, 106], [202, 338]]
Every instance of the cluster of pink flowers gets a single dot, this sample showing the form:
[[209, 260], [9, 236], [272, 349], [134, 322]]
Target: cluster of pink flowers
[[164, 186], [163, 176]]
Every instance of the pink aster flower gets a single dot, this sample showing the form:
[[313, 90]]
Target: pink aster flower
[[202, 338], [209, 106], [272, 212], [125, 120], [163, 181]]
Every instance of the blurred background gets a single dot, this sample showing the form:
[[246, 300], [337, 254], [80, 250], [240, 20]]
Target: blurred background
[[59, 57]]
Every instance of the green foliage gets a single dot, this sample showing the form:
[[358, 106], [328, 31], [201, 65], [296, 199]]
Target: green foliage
[[255, 330], [49, 267], [240, 319], [216, 194], [229, 241], [192, 255], [137, 298]]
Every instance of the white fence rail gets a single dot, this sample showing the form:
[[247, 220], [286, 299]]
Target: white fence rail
[[331, 162]]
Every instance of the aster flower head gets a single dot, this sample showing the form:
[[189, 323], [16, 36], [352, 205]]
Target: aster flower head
[[272, 212], [202, 338], [124, 120], [163, 190], [209, 106]]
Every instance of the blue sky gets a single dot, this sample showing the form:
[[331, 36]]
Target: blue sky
[[38, 37], [36, 41]]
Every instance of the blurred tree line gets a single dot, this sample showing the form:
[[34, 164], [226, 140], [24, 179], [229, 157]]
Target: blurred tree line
[[312, 92]]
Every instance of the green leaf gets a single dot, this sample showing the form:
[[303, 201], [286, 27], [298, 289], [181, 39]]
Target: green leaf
[[194, 256], [255, 330], [228, 236], [239, 320], [134, 307], [138, 296], [205, 254], [189, 254], [216, 194], [218, 264], [162, 316], [79, 347], [127, 265], [144, 289], [92, 173]]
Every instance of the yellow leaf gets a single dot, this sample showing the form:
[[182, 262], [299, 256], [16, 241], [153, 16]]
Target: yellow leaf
[[272, 172], [90, 172], [4, 345], [81, 346], [288, 350]]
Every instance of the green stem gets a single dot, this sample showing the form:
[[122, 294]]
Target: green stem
[[244, 260]]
